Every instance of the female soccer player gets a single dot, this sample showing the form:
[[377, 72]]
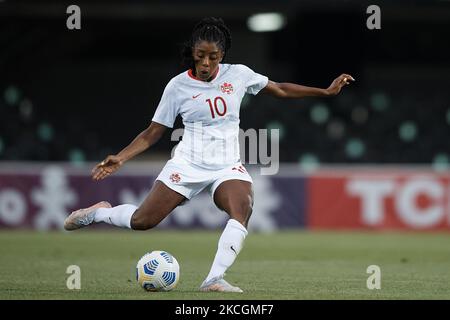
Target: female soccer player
[[208, 97]]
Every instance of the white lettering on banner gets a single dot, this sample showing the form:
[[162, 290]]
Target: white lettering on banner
[[13, 207], [372, 193], [52, 198], [406, 202]]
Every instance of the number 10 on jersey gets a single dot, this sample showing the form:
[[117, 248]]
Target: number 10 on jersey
[[216, 109]]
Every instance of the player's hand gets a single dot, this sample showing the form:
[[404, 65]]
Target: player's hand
[[107, 167], [341, 81]]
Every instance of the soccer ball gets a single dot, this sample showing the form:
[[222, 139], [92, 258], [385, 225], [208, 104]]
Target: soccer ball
[[158, 271]]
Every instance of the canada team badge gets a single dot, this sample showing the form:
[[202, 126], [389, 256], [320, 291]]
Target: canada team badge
[[175, 177], [226, 88]]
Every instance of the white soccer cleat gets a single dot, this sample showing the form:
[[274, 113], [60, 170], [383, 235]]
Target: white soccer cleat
[[218, 284], [83, 217]]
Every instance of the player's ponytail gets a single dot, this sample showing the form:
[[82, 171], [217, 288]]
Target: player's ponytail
[[208, 29]]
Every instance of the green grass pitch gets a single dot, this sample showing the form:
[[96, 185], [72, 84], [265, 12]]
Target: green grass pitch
[[283, 265]]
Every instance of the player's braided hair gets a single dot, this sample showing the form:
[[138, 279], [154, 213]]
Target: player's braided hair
[[208, 29]]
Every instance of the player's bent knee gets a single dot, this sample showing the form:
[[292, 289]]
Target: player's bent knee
[[141, 223]]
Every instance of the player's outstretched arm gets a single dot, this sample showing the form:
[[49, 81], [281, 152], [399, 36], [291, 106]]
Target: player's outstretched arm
[[142, 142], [291, 90]]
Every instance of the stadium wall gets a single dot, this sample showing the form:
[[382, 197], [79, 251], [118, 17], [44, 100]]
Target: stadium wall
[[40, 196]]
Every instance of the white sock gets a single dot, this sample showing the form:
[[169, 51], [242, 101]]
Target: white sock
[[230, 244], [119, 216]]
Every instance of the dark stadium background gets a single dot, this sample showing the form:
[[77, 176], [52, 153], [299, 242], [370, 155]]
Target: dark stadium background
[[79, 95]]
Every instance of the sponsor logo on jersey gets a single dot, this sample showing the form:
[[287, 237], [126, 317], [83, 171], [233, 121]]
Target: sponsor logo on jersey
[[226, 88], [193, 97], [175, 177]]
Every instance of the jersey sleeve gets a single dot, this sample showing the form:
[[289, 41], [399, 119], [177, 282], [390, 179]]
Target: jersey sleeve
[[168, 108], [254, 82]]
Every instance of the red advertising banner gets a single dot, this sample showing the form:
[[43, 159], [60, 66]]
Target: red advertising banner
[[379, 200]]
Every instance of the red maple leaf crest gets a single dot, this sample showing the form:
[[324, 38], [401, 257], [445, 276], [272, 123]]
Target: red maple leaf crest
[[175, 177], [227, 88]]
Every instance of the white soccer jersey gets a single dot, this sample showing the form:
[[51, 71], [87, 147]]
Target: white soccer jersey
[[210, 113]]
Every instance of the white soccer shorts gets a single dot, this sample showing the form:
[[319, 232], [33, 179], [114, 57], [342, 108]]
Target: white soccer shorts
[[189, 180]]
